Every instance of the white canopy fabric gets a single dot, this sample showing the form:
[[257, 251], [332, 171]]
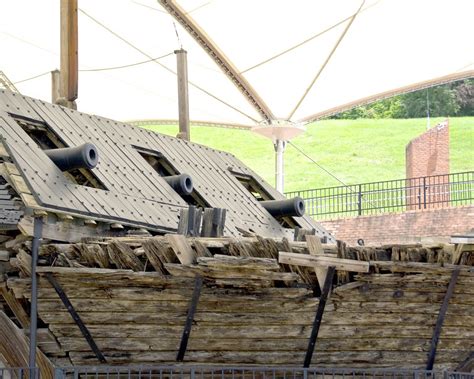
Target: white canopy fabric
[[303, 58]]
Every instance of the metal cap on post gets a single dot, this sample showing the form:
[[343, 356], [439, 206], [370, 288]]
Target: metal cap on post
[[280, 131], [183, 97]]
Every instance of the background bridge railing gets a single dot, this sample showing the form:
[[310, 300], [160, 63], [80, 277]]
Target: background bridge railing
[[399, 195]]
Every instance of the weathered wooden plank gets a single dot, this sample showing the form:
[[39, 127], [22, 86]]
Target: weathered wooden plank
[[261, 345], [236, 273], [15, 306], [15, 348], [90, 305], [209, 317], [322, 261], [181, 248], [391, 358]]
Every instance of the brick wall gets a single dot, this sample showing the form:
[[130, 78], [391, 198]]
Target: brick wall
[[406, 227]]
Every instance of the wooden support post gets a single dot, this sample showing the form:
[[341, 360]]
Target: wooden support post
[[213, 222], [55, 86], [316, 248], [183, 98], [319, 316], [189, 319], [440, 320], [190, 221], [85, 332], [69, 54]]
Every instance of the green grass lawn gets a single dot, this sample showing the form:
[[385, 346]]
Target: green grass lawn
[[355, 151]]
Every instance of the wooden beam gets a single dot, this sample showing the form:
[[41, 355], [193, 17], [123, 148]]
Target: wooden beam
[[440, 320], [69, 54], [183, 98], [322, 261], [55, 86], [211, 48], [315, 248]]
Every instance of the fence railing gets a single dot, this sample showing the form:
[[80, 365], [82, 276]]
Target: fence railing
[[400, 195], [19, 373], [231, 372], [202, 372]]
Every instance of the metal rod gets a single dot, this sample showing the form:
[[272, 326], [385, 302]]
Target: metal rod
[[440, 320], [279, 165], [183, 97], [85, 332], [189, 319], [319, 316], [37, 233]]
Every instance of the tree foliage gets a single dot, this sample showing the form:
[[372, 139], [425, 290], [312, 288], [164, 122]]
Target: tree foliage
[[453, 99]]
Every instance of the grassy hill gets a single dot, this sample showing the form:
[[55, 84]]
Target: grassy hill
[[353, 150]]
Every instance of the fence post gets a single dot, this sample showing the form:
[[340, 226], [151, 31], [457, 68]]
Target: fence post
[[58, 373], [424, 192], [359, 201]]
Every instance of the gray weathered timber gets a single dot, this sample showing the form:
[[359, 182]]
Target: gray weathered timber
[[135, 194]]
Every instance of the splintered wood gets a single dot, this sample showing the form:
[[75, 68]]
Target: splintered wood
[[256, 306]]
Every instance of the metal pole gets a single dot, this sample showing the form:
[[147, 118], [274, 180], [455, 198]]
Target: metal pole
[[37, 232], [183, 98], [279, 165]]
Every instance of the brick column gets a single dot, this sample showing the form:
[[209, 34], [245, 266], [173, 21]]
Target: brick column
[[428, 155]]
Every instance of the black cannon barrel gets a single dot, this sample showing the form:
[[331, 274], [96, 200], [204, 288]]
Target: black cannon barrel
[[183, 184], [288, 207], [69, 158]]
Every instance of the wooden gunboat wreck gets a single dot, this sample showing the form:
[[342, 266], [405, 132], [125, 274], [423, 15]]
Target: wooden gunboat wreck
[[139, 266]]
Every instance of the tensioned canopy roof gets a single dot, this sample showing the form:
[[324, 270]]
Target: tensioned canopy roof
[[249, 61]]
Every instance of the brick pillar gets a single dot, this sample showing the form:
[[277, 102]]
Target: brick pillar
[[428, 155]]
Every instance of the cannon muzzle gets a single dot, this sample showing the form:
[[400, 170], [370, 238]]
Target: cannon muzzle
[[183, 184], [69, 158], [282, 208]]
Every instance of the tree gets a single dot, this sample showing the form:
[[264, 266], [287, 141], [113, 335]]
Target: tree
[[453, 99], [465, 97], [441, 100]]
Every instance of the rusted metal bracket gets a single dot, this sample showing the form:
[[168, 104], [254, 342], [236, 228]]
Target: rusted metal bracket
[[319, 315], [189, 319], [85, 332], [440, 320]]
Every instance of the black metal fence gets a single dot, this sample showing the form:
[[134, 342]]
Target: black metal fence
[[19, 373], [400, 195], [230, 372], [203, 372]]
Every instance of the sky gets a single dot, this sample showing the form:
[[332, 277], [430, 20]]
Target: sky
[[389, 44]]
